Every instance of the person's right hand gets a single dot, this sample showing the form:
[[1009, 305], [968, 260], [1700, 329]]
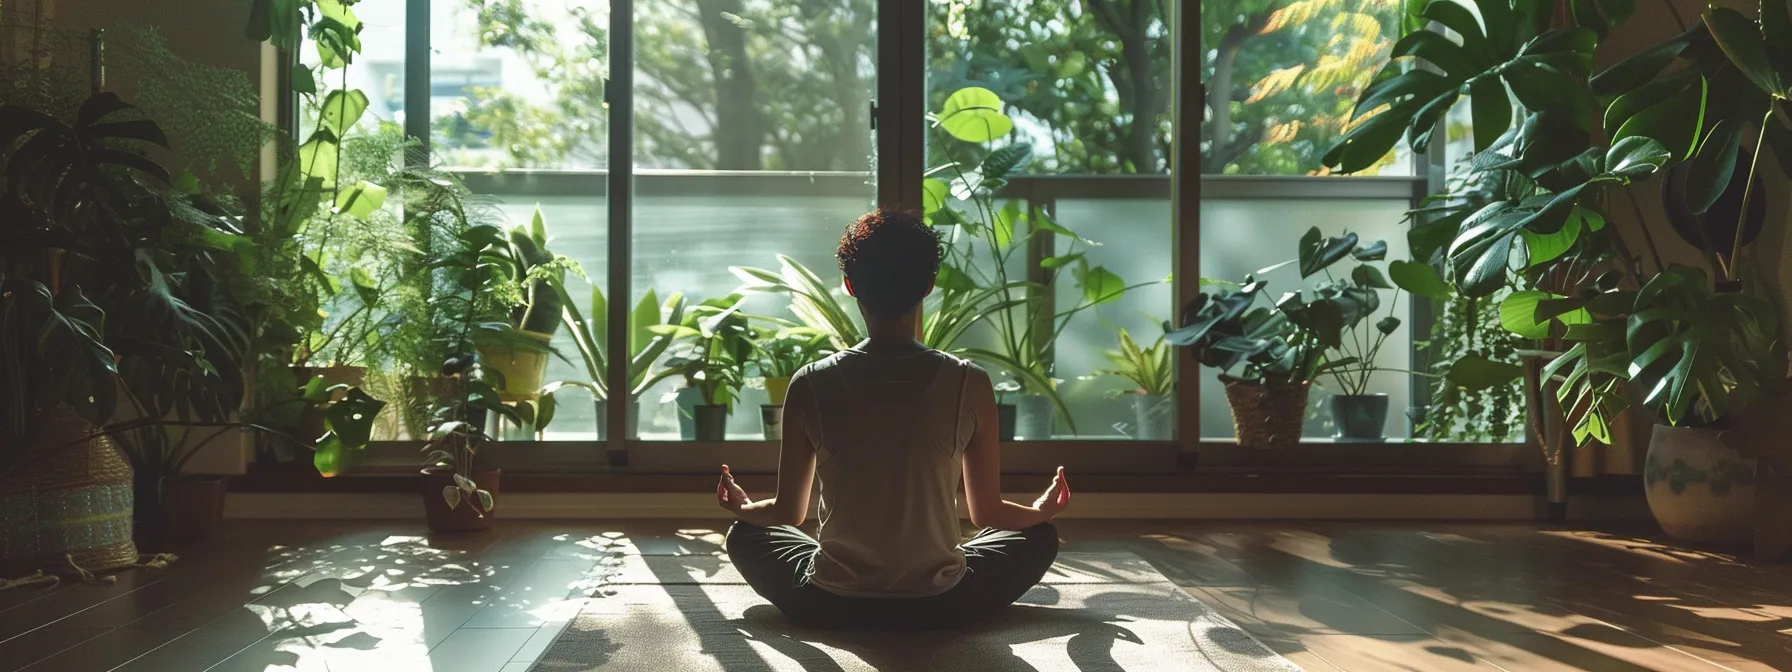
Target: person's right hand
[[1056, 497]]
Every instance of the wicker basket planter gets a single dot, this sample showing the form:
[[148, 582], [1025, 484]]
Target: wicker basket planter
[[1267, 416], [68, 509]]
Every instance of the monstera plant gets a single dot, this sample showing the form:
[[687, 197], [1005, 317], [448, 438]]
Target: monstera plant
[[1704, 107]]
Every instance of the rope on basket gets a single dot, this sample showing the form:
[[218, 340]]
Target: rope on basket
[[37, 579]]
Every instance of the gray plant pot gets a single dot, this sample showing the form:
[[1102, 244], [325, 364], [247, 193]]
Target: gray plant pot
[[1155, 415], [1005, 422], [687, 401], [711, 422], [1033, 417], [772, 417], [1359, 417], [634, 419]]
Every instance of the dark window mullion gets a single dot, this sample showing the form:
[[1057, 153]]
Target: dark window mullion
[[416, 77], [901, 102], [619, 93], [1185, 208]]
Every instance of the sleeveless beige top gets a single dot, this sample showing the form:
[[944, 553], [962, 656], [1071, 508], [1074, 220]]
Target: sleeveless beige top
[[889, 431]]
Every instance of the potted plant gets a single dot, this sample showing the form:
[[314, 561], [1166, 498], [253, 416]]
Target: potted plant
[[459, 493], [715, 351], [1281, 349], [1153, 376], [783, 352], [975, 284], [1351, 354], [590, 334], [1693, 106], [517, 355], [111, 320]]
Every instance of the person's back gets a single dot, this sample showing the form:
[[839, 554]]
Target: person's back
[[889, 431], [889, 425]]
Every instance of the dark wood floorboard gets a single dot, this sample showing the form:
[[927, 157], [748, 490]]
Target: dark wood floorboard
[[1331, 596]]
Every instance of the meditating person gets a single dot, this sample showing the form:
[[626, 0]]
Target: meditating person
[[888, 427]]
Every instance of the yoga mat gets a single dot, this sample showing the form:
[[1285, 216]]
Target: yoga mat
[[1095, 611]]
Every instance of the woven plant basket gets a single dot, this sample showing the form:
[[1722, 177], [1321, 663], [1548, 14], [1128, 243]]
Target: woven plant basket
[[68, 509], [1267, 416]]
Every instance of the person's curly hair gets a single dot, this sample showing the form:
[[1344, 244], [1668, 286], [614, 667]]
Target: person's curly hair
[[891, 258]]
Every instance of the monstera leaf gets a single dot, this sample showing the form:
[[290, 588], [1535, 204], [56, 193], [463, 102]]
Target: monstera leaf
[[1506, 55], [1482, 251]]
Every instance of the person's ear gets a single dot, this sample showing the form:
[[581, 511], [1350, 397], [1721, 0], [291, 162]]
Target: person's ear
[[849, 291]]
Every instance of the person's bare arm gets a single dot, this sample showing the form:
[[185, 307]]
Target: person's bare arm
[[796, 470], [983, 470]]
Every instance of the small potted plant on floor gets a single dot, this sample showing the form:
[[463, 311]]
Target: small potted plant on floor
[[1153, 376], [459, 493], [782, 352], [715, 349]]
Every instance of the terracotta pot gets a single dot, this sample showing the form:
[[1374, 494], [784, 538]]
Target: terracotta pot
[[1699, 489], [466, 515], [1267, 416], [192, 506]]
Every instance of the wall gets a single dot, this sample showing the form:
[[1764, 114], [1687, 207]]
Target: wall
[[1655, 22]]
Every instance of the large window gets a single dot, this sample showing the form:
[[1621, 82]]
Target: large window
[[1282, 78], [731, 140], [1088, 88]]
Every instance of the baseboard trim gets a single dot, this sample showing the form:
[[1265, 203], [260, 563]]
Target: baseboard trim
[[1222, 506]]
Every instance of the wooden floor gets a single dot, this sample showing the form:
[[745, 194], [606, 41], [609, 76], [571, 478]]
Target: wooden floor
[[381, 596]]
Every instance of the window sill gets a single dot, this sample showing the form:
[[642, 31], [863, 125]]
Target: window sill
[[1097, 466]]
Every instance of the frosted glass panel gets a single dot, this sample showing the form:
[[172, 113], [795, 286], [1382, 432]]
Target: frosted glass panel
[[1240, 237], [1134, 236], [685, 243]]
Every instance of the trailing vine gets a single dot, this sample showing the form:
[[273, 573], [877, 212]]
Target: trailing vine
[[1469, 326]]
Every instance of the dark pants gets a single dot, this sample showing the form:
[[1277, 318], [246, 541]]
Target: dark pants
[[1000, 566]]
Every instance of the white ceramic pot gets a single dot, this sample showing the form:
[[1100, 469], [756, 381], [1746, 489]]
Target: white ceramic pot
[[1699, 489]]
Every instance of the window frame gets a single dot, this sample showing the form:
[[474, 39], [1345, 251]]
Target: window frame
[[898, 120]]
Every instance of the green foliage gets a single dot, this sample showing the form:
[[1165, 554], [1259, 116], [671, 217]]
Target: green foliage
[[1321, 330], [753, 84], [787, 349], [590, 333], [975, 283], [714, 348], [1464, 331], [1150, 369], [1281, 76], [815, 304]]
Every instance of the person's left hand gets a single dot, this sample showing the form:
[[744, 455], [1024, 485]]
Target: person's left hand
[[729, 494]]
